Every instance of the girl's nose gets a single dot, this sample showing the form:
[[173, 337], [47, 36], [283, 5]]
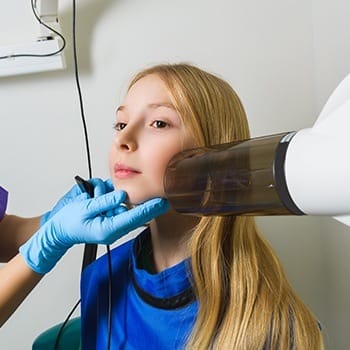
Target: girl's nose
[[126, 141]]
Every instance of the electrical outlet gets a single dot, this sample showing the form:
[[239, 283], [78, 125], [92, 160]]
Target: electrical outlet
[[26, 65]]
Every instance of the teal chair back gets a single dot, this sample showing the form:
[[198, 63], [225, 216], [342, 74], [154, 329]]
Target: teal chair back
[[69, 338]]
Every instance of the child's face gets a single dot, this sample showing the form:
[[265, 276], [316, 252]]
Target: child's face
[[149, 132]]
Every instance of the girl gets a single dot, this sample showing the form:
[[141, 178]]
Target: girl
[[186, 282]]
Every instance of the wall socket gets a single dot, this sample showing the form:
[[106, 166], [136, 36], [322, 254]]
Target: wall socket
[[27, 65]]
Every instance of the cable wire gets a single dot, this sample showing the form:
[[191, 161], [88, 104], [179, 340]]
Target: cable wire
[[76, 73], [81, 104], [59, 334], [110, 275], [82, 113], [44, 54]]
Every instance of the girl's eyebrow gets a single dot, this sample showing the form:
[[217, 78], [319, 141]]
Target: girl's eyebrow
[[157, 105], [151, 106], [120, 108]]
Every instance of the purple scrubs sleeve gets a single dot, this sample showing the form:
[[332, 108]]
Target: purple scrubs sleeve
[[3, 202]]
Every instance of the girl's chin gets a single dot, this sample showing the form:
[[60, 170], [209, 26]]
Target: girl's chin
[[136, 200], [135, 197]]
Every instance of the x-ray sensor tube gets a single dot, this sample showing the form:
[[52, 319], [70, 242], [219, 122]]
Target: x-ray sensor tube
[[239, 178], [294, 173]]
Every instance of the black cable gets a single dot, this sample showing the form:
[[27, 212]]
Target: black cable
[[90, 246], [90, 249], [58, 337], [82, 113], [76, 73], [45, 54], [110, 276]]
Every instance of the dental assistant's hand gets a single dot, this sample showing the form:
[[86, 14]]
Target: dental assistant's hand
[[100, 187], [84, 221]]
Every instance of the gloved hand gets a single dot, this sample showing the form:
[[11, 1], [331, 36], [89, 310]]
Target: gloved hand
[[100, 187], [84, 221]]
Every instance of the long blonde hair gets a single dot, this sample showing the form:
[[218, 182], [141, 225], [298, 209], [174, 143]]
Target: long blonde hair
[[245, 301]]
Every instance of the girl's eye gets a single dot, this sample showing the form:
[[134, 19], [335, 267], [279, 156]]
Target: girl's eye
[[119, 126], [159, 124]]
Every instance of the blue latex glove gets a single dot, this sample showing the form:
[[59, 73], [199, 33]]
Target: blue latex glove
[[83, 221], [100, 187]]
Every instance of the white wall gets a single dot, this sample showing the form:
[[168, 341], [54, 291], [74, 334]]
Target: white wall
[[265, 49]]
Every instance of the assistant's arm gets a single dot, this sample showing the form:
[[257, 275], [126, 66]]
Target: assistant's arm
[[14, 231], [17, 280]]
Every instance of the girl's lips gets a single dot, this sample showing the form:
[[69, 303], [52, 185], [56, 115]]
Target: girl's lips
[[123, 172]]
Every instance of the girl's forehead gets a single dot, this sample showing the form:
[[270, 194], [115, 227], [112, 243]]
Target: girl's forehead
[[148, 94], [149, 89]]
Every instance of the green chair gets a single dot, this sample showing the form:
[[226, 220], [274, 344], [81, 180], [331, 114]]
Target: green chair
[[69, 338]]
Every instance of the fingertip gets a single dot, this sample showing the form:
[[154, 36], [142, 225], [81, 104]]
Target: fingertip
[[161, 203], [164, 205], [109, 185], [119, 195], [110, 201], [99, 186], [154, 207]]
